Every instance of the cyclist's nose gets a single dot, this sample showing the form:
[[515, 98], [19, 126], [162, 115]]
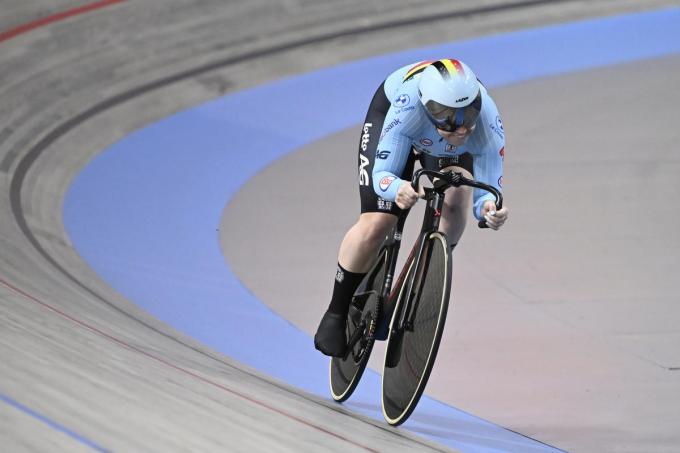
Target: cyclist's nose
[[462, 130]]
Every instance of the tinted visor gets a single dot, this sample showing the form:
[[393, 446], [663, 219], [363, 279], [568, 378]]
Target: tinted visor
[[450, 118]]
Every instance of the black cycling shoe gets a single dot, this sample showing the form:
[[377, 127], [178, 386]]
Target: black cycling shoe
[[330, 337]]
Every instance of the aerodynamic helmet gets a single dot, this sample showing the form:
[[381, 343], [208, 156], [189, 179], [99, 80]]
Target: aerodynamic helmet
[[450, 93]]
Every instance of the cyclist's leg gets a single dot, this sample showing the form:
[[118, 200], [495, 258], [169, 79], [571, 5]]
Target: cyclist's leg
[[458, 200], [357, 252], [457, 204], [362, 242]]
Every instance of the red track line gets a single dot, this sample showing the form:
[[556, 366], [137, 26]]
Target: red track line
[[180, 369], [24, 28], [11, 33]]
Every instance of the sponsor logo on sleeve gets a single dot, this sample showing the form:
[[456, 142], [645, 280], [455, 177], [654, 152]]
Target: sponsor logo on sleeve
[[386, 182], [502, 153], [497, 127], [382, 154], [426, 142], [364, 179], [402, 100], [390, 126], [366, 136], [405, 109]]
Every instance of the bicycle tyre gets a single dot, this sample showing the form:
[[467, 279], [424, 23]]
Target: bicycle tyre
[[404, 382], [345, 373]]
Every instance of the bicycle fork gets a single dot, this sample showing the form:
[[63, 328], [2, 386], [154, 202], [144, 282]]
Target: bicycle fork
[[407, 312], [431, 220]]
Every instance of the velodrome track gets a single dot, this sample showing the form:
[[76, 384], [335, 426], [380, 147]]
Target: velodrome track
[[85, 368]]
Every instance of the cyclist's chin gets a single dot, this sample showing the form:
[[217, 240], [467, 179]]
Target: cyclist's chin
[[457, 140], [453, 138]]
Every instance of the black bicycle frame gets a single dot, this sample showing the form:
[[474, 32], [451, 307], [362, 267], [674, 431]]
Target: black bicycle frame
[[392, 254], [435, 201]]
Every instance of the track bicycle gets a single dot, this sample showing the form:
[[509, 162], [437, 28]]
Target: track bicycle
[[410, 314]]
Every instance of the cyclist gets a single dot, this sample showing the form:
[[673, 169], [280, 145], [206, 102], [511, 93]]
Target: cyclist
[[436, 112]]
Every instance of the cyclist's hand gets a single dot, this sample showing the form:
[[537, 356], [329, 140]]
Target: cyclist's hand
[[406, 196], [495, 219]]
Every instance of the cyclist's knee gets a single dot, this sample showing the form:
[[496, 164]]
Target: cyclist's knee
[[458, 201], [374, 226]]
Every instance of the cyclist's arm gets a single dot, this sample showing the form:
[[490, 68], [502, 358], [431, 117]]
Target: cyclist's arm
[[488, 167], [393, 152]]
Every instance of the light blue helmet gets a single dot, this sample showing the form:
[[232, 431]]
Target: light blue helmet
[[450, 93]]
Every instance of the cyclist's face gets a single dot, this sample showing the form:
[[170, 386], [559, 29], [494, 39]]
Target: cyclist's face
[[457, 137]]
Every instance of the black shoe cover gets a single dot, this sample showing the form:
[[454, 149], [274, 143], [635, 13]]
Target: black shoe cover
[[330, 337]]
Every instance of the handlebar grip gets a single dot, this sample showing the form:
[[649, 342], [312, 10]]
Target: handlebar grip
[[499, 205]]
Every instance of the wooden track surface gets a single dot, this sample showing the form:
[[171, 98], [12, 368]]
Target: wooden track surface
[[71, 348]]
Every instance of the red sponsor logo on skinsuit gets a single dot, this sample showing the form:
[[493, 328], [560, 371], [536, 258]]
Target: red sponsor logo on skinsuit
[[385, 182], [502, 152]]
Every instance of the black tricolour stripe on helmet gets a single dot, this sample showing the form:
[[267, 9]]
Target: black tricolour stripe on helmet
[[443, 70]]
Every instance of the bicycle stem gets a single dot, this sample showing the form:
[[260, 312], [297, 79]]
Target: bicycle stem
[[452, 179], [433, 210]]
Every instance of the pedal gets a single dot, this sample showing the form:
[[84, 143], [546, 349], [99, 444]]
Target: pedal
[[354, 315], [359, 300]]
